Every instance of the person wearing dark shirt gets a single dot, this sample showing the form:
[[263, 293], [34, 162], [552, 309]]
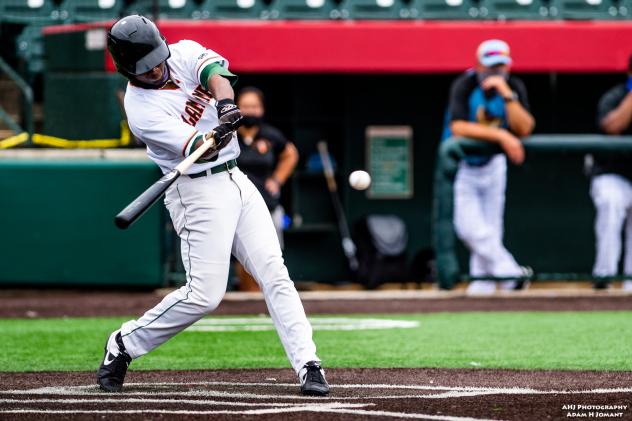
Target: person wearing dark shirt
[[267, 158], [488, 104], [611, 187]]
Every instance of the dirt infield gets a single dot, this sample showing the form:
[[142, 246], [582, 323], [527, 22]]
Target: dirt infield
[[32, 304], [357, 394]]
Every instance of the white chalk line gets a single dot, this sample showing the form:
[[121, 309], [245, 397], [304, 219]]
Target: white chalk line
[[258, 396], [325, 405], [240, 324], [372, 386], [311, 408], [405, 415], [332, 407], [448, 392], [276, 408], [453, 391], [291, 408], [204, 394], [170, 401]]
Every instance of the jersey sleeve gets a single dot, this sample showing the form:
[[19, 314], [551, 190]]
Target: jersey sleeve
[[156, 128], [458, 106], [202, 63]]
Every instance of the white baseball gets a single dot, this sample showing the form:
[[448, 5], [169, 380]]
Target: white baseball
[[360, 180]]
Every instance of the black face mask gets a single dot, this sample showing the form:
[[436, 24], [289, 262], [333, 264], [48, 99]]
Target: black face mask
[[251, 121]]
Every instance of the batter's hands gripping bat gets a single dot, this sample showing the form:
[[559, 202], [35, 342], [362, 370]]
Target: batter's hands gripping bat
[[142, 203], [348, 245]]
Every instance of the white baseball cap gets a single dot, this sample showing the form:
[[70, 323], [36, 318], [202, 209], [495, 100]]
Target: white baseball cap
[[493, 52]]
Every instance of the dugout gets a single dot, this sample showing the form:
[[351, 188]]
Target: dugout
[[331, 80]]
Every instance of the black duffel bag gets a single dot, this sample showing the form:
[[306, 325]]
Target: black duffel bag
[[381, 241]]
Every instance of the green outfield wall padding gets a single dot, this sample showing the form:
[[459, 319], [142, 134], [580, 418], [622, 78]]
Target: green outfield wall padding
[[57, 224], [82, 105], [548, 216]]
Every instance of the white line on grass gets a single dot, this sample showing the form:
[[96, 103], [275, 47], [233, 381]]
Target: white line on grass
[[239, 324]]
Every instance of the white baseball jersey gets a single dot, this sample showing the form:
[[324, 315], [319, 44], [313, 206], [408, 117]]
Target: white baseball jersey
[[168, 120]]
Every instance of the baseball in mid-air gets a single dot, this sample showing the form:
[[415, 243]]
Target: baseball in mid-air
[[360, 180]]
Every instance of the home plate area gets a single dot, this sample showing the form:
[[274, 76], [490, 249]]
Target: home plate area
[[356, 394]]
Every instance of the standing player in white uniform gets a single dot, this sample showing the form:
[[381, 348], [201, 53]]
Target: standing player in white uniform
[[176, 95], [488, 104], [611, 188]]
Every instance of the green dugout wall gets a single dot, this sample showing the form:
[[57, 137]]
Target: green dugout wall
[[57, 214], [57, 224]]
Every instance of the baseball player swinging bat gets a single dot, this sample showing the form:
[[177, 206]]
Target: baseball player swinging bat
[[348, 246], [146, 199], [174, 89]]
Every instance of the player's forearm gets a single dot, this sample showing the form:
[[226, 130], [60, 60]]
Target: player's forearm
[[520, 121], [477, 131], [287, 162], [619, 119], [220, 87]]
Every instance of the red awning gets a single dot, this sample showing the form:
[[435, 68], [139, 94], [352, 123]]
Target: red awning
[[403, 46]]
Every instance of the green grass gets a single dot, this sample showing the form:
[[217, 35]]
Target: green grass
[[529, 340]]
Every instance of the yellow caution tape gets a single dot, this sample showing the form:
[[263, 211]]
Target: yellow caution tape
[[57, 142], [12, 141]]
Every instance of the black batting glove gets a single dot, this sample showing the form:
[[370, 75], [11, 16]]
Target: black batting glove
[[228, 112], [223, 135]]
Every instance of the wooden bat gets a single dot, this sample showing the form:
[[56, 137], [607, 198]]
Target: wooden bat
[[348, 246], [142, 203]]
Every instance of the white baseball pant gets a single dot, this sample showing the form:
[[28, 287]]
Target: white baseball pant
[[479, 205], [213, 215], [612, 196]]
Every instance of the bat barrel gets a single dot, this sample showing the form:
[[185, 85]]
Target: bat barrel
[[142, 203]]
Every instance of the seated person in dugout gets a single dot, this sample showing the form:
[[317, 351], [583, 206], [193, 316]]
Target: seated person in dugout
[[488, 104], [268, 158], [611, 187]]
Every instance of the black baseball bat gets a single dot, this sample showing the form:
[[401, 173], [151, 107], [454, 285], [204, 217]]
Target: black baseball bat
[[348, 246], [142, 203], [146, 199]]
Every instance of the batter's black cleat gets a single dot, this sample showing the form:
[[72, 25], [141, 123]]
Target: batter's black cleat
[[111, 374], [313, 380]]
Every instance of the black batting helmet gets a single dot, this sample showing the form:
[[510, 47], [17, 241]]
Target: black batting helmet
[[136, 45]]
